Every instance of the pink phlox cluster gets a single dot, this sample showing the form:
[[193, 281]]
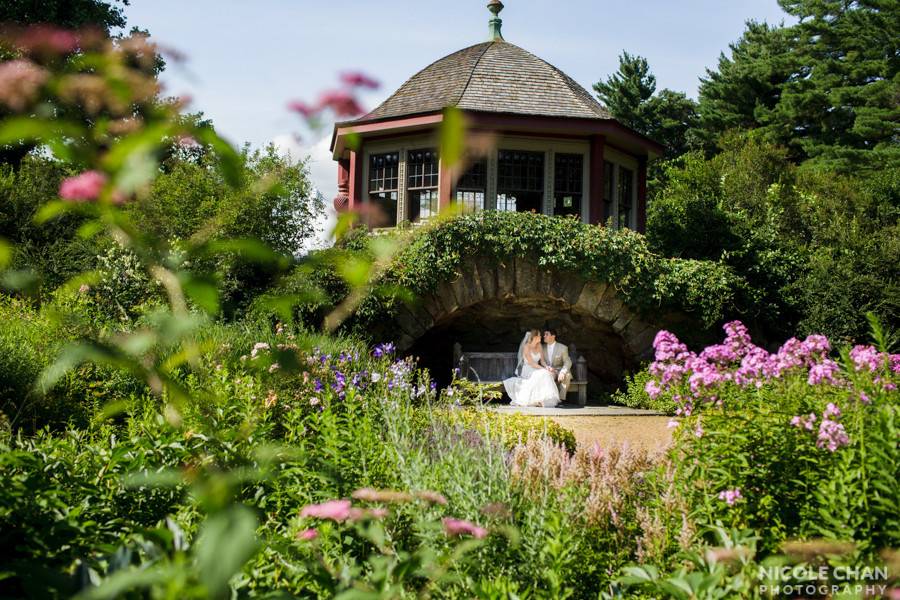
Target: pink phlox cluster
[[866, 358], [804, 422], [736, 360], [730, 497], [831, 435], [334, 510], [826, 371], [82, 188], [455, 527]]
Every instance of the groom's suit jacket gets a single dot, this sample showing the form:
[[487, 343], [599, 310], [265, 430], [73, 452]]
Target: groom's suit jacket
[[560, 361]]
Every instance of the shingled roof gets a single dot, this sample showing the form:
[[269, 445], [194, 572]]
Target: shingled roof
[[494, 76]]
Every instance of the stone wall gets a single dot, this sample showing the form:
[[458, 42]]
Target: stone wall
[[490, 305]]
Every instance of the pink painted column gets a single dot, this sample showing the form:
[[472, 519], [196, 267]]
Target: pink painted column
[[342, 200], [595, 216]]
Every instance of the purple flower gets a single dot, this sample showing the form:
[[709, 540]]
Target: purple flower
[[382, 350]]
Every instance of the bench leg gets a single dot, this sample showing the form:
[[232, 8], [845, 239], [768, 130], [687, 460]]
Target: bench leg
[[582, 395]]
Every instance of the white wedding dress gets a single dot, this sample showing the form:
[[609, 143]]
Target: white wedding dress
[[533, 387]]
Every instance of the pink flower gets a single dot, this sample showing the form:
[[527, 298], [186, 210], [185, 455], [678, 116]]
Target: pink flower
[[335, 510], [672, 424], [84, 288], [20, 83], [865, 358], [308, 534], [43, 39], [305, 110], [652, 388], [82, 188], [433, 497], [825, 371], [730, 497], [804, 422], [357, 79], [832, 435], [895, 363], [386, 496], [342, 103], [456, 527]]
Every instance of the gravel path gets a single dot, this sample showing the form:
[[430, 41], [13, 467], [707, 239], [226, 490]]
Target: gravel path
[[645, 432]]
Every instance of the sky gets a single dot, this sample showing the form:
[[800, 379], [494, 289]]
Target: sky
[[247, 60]]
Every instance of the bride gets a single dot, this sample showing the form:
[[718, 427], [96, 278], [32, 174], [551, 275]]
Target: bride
[[535, 384]]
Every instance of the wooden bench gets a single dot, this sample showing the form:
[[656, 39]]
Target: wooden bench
[[494, 367]]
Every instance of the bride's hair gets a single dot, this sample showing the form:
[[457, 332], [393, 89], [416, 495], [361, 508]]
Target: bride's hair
[[535, 333]]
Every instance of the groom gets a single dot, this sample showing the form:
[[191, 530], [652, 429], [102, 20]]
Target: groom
[[556, 356]]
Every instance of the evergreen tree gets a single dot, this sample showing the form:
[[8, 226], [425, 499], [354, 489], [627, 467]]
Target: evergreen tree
[[826, 88], [630, 95]]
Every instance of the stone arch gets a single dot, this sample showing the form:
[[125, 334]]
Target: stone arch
[[489, 304]]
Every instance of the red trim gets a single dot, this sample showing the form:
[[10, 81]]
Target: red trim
[[530, 124], [595, 192], [584, 127], [342, 130]]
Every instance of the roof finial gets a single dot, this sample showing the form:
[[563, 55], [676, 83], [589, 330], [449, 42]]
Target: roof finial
[[495, 6]]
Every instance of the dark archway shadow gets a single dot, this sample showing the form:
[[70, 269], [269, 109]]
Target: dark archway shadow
[[498, 325]]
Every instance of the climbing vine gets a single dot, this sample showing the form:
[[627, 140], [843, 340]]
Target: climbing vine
[[435, 252]]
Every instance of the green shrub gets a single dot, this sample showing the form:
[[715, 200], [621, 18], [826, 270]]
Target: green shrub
[[30, 341], [508, 429], [635, 396]]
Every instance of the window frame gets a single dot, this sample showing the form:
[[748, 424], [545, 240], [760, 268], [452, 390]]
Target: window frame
[[435, 189], [549, 146], [402, 145], [368, 179], [471, 189], [620, 160]]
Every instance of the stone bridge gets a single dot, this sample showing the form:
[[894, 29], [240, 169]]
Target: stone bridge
[[490, 305]]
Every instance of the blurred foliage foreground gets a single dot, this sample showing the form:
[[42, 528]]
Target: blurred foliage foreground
[[165, 453]]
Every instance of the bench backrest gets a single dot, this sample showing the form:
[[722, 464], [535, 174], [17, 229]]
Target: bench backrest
[[490, 366], [497, 366]]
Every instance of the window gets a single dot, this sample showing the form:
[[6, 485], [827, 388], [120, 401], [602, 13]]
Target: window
[[520, 180], [626, 197], [609, 189], [568, 184], [384, 185], [422, 183], [471, 187]]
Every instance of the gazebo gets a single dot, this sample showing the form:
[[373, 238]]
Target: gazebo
[[535, 141]]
